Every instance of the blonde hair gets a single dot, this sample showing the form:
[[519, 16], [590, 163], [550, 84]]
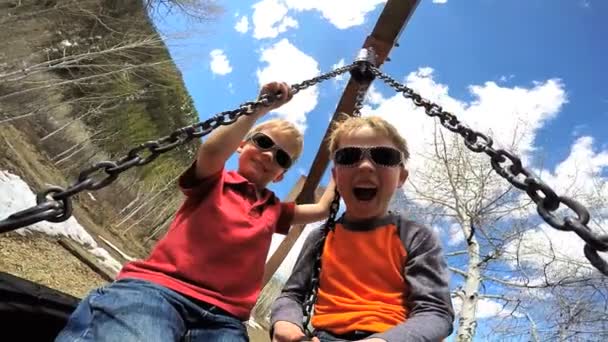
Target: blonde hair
[[284, 127], [348, 124]]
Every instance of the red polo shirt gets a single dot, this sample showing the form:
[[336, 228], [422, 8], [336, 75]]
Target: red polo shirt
[[216, 247]]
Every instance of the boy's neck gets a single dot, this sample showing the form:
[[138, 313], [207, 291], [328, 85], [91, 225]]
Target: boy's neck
[[349, 217], [259, 189]]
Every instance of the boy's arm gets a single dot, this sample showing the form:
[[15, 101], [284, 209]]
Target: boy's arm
[[224, 140], [288, 306], [431, 315], [309, 213]]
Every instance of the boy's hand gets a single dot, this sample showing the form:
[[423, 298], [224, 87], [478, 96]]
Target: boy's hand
[[288, 332], [273, 89]]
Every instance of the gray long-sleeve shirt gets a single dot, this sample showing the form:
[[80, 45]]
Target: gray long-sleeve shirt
[[374, 264]]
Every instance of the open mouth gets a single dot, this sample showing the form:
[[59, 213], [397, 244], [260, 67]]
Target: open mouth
[[364, 194]]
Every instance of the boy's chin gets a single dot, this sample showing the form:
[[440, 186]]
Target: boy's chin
[[254, 178], [363, 210]]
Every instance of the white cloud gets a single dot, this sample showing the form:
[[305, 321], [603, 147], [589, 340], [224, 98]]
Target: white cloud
[[242, 25], [340, 13], [556, 254], [499, 111], [281, 58], [374, 97], [340, 64], [579, 172], [506, 78], [578, 176], [440, 1], [486, 308], [219, 62], [456, 235], [270, 18]]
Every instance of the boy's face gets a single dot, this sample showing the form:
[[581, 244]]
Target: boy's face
[[259, 165], [366, 186]]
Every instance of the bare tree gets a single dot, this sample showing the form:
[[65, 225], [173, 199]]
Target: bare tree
[[96, 81], [195, 9], [488, 221]]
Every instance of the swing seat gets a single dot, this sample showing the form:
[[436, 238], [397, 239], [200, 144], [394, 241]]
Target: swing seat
[[42, 310]]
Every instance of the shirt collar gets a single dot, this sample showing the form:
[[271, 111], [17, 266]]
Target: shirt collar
[[235, 178], [369, 224]]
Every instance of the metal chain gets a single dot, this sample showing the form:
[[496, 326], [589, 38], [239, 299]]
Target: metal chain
[[510, 167], [54, 203], [318, 79], [311, 297], [360, 99]]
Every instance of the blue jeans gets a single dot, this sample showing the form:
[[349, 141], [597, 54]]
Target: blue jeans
[[130, 310], [325, 336]]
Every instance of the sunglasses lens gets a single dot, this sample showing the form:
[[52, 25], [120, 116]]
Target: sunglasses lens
[[386, 156], [283, 159], [262, 140], [348, 156]]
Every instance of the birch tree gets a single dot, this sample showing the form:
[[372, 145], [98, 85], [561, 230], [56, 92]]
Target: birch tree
[[489, 250]]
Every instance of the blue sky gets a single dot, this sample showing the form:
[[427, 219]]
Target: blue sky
[[466, 43], [498, 65]]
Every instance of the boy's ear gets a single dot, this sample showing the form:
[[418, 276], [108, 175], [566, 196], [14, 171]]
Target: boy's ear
[[403, 176], [240, 148]]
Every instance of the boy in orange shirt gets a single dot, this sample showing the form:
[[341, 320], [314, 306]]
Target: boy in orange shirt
[[383, 278]]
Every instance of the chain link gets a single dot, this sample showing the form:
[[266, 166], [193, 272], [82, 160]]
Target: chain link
[[313, 81], [311, 298], [510, 168], [359, 99], [54, 203]]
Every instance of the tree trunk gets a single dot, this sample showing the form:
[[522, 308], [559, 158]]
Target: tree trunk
[[468, 318]]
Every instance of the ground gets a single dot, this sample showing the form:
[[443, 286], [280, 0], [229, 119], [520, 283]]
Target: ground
[[40, 259]]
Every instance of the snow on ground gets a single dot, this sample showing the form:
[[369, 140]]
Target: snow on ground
[[16, 195]]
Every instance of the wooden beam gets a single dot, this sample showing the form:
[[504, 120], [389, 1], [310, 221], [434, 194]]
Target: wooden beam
[[388, 28], [86, 258], [122, 254]]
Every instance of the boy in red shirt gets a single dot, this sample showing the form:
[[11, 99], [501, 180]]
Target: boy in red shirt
[[383, 277], [202, 279]]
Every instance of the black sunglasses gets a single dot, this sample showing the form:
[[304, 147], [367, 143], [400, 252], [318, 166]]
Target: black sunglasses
[[265, 143], [379, 155]]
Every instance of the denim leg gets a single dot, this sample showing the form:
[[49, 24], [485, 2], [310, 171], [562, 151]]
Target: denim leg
[[128, 311], [324, 336], [212, 326]]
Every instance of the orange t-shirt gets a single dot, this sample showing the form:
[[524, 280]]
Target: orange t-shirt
[[369, 298], [387, 276]]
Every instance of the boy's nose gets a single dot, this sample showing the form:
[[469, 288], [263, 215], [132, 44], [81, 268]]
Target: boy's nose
[[367, 165]]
